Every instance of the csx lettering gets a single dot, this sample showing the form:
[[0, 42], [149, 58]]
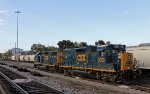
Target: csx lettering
[[81, 57], [101, 60], [46, 58]]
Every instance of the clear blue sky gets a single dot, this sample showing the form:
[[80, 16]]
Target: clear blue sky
[[49, 21]]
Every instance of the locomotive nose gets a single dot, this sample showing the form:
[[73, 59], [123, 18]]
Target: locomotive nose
[[126, 61]]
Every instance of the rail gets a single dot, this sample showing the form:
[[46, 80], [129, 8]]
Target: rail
[[13, 84]]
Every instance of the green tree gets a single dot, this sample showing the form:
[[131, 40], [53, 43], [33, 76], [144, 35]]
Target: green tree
[[50, 48], [100, 42], [65, 44], [76, 45], [82, 44], [96, 43], [37, 47], [108, 42]]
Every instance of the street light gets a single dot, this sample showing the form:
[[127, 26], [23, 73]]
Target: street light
[[17, 12]]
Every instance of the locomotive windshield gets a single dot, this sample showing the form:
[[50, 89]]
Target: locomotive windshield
[[118, 48], [54, 53], [80, 50], [101, 53], [46, 53]]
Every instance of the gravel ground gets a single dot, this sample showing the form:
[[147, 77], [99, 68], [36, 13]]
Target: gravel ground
[[70, 85]]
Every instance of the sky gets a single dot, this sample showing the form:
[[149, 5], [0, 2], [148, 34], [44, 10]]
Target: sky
[[49, 21]]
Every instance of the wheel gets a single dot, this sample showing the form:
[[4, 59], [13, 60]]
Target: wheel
[[47, 68], [65, 72], [53, 70], [104, 79], [97, 76], [125, 81], [35, 65], [113, 78], [71, 73]]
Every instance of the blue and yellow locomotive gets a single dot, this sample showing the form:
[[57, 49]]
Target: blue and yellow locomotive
[[106, 62]]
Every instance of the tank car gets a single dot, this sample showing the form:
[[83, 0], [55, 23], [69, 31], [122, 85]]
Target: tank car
[[6, 57], [13, 58], [22, 59], [27, 58], [32, 58], [141, 58]]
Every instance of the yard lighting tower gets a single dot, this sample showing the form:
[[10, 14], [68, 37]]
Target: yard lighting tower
[[17, 12]]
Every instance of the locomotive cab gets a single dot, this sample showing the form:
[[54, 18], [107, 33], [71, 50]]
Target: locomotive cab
[[125, 59]]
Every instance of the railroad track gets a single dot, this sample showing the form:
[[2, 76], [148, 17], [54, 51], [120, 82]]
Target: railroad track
[[9, 86], [143, 87], [30, 87]]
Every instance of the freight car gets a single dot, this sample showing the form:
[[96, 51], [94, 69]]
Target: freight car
[[6, 57], [27, 58], [13, 58], [142, 58], [22, 58]]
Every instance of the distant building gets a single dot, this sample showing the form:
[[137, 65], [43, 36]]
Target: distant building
[[144, 44], [29, 52], [140, 45], [16, 51]]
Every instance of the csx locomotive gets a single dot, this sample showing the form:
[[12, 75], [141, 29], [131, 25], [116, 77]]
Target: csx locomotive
[[107, 62]]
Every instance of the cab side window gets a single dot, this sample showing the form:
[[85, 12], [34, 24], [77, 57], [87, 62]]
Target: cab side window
[[101, 53]]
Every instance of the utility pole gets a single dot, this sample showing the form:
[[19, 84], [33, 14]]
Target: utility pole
[[17, 12]]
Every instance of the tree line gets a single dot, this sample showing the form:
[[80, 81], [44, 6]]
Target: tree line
[[64, 44]]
